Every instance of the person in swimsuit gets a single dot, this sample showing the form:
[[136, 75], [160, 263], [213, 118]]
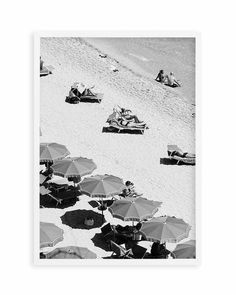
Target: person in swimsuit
[[160, 77]]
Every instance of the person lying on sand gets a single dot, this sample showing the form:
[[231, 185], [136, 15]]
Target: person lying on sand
[[171, 80], [160, 77]]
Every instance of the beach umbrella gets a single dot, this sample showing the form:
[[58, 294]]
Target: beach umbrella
[[185, 250], [50, 152], [71, 252], [102, 186], [134, 209], [50, 234], [165, 229], [73, 167]]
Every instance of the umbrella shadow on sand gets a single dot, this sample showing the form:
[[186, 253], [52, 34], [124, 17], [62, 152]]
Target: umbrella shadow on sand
[[167, 161], [67, 198], [47, 202], [96, 204], [76, 219], [98, 241]]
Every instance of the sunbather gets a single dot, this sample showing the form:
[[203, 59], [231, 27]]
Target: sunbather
[[160, 77], [129, 191], [174, 150], [127, 114], [41, 64], [171, 80], [130, 123], [159, 251]]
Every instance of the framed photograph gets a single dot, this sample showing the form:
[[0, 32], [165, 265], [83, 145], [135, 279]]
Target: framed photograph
[[117, 148]]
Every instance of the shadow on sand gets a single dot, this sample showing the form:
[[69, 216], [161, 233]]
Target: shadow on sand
[[67, 198], [76, 218], [96, 204], [47, 202], [167, 161], [124, 131], [99, 242]]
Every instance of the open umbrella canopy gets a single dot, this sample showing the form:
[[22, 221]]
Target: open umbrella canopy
[[50, 234], [185, 250], [73, 167], [102, 186], [50, 152], [71, 252], [165, 229], [135, 209]]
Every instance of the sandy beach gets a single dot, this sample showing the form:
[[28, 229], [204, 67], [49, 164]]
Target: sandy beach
[[167, 112]]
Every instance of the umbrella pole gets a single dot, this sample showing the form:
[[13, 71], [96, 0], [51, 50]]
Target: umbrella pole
[[102, 211]]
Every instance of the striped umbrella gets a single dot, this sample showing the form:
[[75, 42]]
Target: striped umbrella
[[165, 229], [102, 186], [185, 250], [134, 209], [71, 252], [50, 152], [50, 234], [74, 168]]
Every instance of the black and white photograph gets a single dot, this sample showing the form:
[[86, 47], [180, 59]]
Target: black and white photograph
[[116, 173]]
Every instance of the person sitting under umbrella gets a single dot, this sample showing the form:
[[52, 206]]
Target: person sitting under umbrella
[[129, 191], [159, 251]]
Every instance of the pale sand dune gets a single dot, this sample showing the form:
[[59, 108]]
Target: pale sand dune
[[131, 157]]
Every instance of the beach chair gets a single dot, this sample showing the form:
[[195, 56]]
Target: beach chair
[[82, 94], [46, 71], [107, 231], [114, 124], [119, 251], [137, 252], [88, 94], [58, 200], [175, 153]]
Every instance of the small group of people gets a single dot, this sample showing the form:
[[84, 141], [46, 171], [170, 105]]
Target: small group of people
[[169, 80], [79, 89], [125, 117], [159, 251], [129, 190]]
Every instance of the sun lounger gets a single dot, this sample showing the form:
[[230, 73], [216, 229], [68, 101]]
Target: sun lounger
[[57, 188], [46, 71], [58, 200], [116, 125], [87, 96], [119, 251], [175, 153]]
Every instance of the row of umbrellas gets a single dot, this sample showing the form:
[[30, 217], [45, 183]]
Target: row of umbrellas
[[50, 235], [162, 229]]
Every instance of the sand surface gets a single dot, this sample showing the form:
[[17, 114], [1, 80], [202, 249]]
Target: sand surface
[[129, 156]]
